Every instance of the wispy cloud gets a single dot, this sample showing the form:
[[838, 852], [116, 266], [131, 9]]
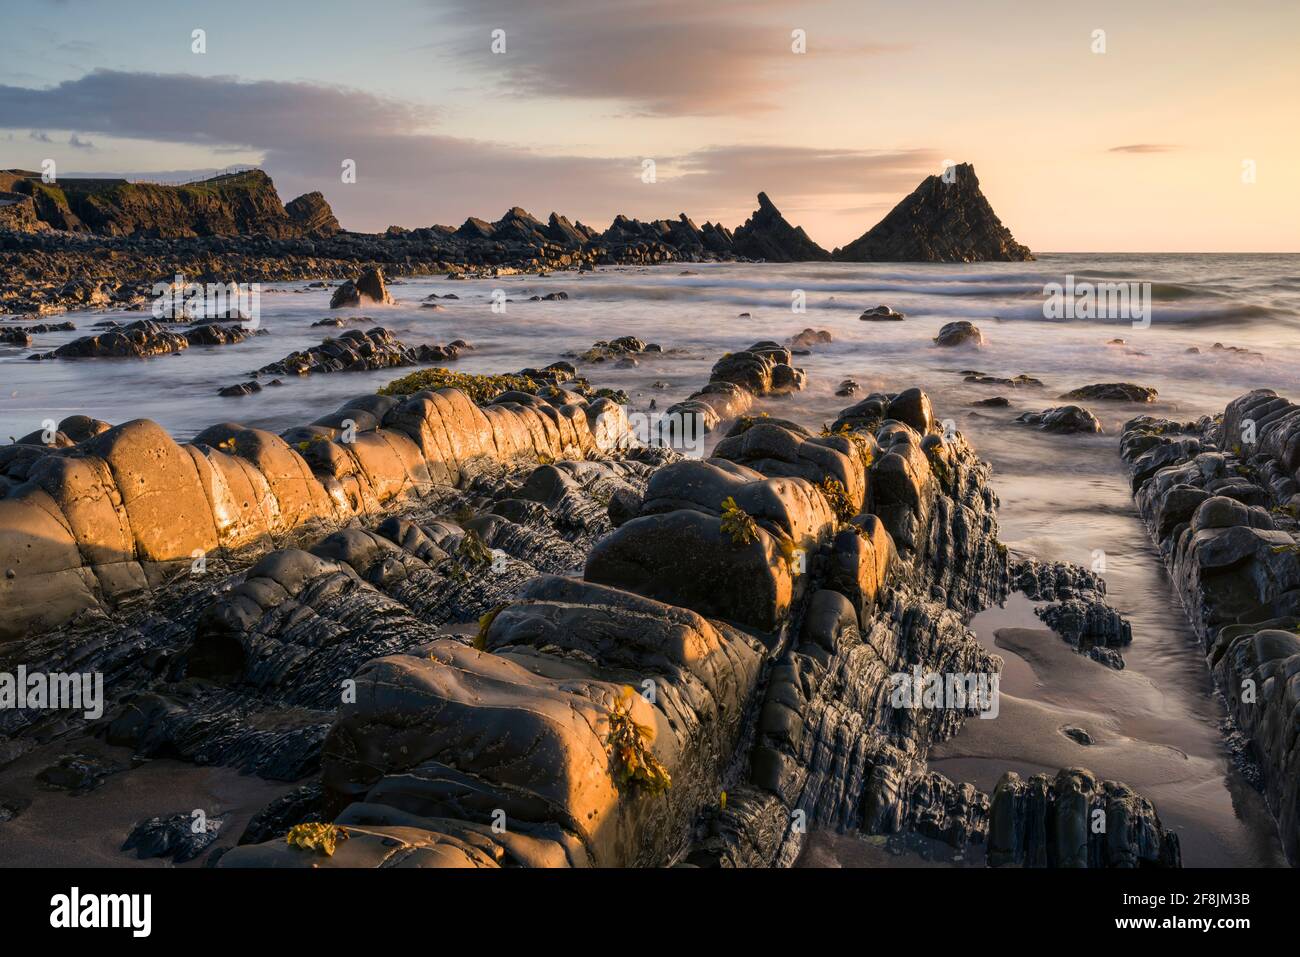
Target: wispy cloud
[[1145, 148], [662, 57]]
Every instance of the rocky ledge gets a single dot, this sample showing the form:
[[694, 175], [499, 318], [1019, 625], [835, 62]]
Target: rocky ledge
[[508, 634], [1221, 498]]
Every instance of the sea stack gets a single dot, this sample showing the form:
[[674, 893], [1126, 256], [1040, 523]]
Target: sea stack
[[943, 220], [766, 235]]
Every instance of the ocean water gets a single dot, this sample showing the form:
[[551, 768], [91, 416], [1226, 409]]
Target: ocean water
[[1156, 724]]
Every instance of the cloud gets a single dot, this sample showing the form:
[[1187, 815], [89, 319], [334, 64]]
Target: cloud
[[77, 143], [215, 110], [664, 57], [1145, 148], [409, 176]]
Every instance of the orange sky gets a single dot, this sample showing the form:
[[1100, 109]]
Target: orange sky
[[1140, 147]]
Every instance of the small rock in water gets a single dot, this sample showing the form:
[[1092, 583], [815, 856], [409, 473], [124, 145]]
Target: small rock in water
[[881, 314], [1113, 392], [1077, 734], [959, 333], [1064, 419], [809, 338], [995, 402]]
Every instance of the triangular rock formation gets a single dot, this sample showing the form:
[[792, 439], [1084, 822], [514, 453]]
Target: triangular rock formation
[[939, 222], [767, 235]]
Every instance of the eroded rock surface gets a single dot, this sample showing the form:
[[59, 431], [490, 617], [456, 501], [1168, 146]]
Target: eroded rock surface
[[1221, 498]]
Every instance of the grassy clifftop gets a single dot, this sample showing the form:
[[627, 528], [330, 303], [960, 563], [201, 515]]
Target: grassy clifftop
[[233, 204]]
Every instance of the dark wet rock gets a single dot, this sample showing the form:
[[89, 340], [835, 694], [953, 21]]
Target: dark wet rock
[[622, 348], [211, 334], [179, 837], [367, 289], [240, 389], [1076, 607], [767, 236], [359, 351], [881, 314], [939, 222], [78, 773], [1075, 820], [1078, 735], [1065, 418], [142, 338], [1113, 392], [959, 333], [847, 388], [1018, 382], [302, 805], [1106, 656], [1087, 621], [1220, 497], [994, 402]]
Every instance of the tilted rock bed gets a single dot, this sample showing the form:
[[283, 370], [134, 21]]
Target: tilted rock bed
[[124, 511], [745, 616], [414, 631], [1221, 498]]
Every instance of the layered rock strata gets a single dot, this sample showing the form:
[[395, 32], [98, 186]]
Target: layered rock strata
[[93, 522], [1221, 499]]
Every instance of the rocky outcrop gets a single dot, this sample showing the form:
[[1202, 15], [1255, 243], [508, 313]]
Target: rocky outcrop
[[1113, 392], [312, 215], [128, 509], [828, 609], [147, 338], [1075, 820], [1221, 498], [767, 236], [946, 219], [367, 289], [764, 369], [232, 204], [18, 214], [359, 351], [1064, 419]]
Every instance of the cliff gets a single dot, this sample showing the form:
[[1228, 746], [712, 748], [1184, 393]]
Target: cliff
[[234, 204]]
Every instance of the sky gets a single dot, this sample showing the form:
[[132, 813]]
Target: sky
[[1142, 125]]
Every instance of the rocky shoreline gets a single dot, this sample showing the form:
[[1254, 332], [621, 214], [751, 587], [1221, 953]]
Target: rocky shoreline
[[511, 634], [96, 244], [1220, 498]]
